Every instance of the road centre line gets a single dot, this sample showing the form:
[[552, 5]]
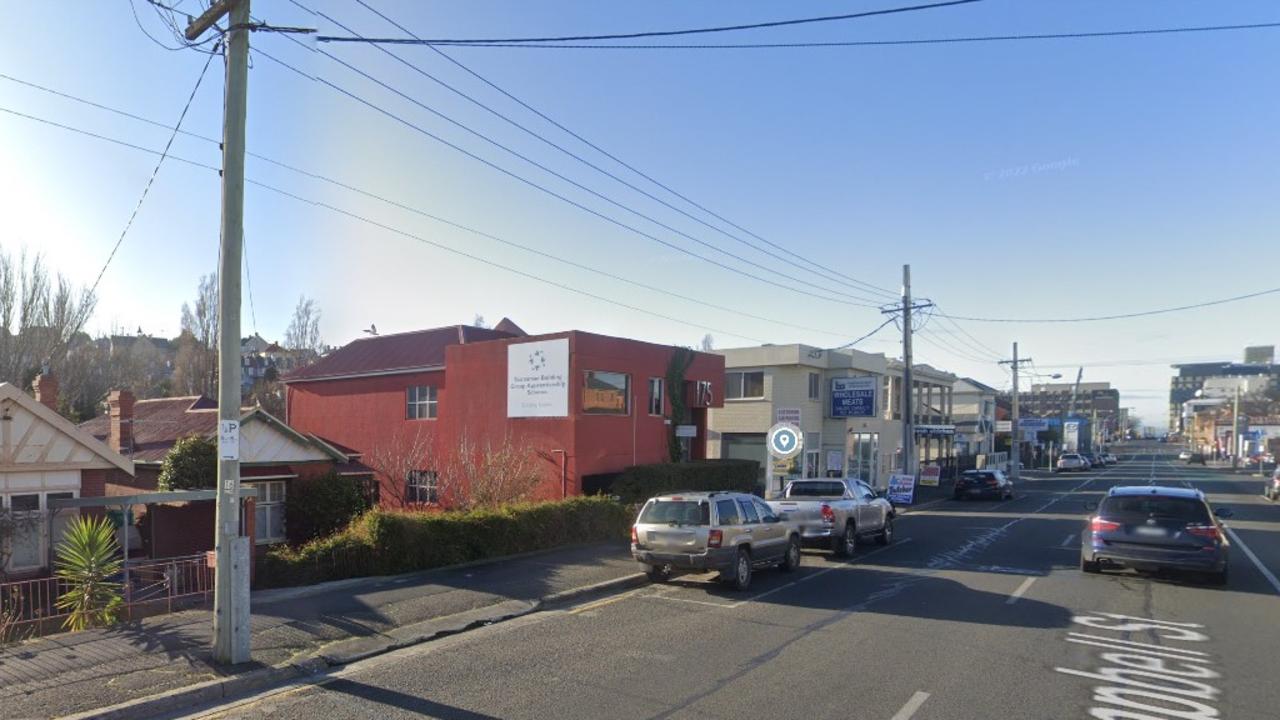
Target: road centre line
[[909, 710], [1270, 576], [1013, 598]]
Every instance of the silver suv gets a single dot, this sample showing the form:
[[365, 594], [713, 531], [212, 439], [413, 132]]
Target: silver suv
[[733, 533]]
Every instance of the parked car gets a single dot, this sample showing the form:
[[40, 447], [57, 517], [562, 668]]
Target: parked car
[[1196, 459], [1071, 461], [1151, 527], [1111, 459], [1097, 460], [1272, 488], [1184, 455], [983, 483], [836, 513], [733, 533]]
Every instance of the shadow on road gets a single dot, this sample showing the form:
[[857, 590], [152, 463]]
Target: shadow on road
[[402, 701]]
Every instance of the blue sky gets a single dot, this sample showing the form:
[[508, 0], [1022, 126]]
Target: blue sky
[[1024, 179]]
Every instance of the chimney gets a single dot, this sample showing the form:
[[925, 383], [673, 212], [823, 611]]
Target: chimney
[[46, 389], [120, 409]]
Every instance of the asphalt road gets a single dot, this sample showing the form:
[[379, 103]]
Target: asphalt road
[[978, 610]]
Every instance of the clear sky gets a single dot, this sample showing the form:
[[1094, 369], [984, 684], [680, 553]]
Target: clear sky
[[1050, 178]]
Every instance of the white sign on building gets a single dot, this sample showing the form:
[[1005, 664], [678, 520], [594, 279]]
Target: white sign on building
[[790, 416], [538, 379]]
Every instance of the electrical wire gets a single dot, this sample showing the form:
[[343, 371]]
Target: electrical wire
[[881, 43], [1122, 316], [607, 218], [658, 33], [155, 171], [864, 337], [816, 265], [785, 256], [974, 342]]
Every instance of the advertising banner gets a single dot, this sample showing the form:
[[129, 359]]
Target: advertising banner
[[930, 475], [854, 396], [538, 379], [902, 489], [790, 416]]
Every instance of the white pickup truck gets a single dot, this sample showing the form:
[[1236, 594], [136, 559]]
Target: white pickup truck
[[836, 513]]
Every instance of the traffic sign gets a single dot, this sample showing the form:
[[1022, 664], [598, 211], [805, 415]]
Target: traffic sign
[[785, 441]]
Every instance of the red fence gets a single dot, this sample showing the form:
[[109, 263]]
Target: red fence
[[149, 587]]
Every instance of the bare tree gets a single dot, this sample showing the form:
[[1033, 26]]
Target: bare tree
[[409, 454], [708, 343], [303, 334], [479, 322], [85, 378], [39, 316], [459, 474], [492, 474], [196, 362]]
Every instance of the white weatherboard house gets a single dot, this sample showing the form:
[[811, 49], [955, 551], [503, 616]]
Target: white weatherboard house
[[43, 456]]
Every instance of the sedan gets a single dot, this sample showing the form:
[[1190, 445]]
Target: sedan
[[1184, 455], [1111, 459], [983, 483], [1151, 528], [1072, 461]]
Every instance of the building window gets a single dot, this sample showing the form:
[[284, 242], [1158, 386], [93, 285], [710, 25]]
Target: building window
[[814, 386], [268, 512], [422, 486], [420, 402], [704, 396], [744, 385], [24, 542], [655, 396], [606, 393], [811, 460]]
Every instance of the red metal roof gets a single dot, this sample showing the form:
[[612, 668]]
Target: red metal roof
[[389, 353], [158, 423]]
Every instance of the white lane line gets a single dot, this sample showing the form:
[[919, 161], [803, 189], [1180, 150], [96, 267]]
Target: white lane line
[[855, 561], [1067, 540], [766, 593], [1021, 589], [909, 710], [1270, 576]]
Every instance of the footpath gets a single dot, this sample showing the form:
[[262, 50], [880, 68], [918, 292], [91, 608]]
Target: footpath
[[158, 664]]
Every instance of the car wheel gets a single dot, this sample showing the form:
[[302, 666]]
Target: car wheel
[[791, 560], [740, 577], [658, 573], [1089, 566], [847, 543], [886, 534]]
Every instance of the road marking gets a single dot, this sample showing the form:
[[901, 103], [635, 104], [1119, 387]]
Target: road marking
[[909, 710], [766, 593], [1021, 589], [1084, 637], [1067, 540], [606, 601], [854, 561], [1270, 576]]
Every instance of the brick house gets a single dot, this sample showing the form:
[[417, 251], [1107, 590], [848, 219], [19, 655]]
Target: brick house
[[586, 405], [43, 457]]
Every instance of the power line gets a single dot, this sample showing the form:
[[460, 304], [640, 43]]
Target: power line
[[975, 343], [880, 43], [879, 327], [388, 201], [155, 171], [1122, 316], [629, 36], [869, 286], [574, 203], [786, 256]]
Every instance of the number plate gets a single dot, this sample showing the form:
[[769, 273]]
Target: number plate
[[1151, 531]]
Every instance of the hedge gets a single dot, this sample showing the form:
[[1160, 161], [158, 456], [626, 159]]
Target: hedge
[[641, 482], [322, 506], [386, 542]]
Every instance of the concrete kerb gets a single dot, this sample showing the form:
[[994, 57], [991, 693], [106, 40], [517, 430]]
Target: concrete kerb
[[418, 633]]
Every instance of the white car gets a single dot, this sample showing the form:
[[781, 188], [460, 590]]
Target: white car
[[1072, 461], [1184, 455]]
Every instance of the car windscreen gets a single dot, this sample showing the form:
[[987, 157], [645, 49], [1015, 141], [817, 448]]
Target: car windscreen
[[815, 489], [678, 512], [978, 476], [1143, 506]]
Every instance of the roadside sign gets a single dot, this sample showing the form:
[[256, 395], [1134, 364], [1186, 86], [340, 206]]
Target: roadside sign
[[686, 431], [930, 475], [854, 396], [228, 440], [787, 416], [902, 489], [785, 441]]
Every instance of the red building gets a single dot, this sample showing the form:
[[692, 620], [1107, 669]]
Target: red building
[[584, 404]]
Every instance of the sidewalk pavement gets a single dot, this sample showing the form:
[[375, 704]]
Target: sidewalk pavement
[[162, 663]]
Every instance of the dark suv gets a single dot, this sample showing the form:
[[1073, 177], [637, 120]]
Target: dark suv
[[1150, 527]]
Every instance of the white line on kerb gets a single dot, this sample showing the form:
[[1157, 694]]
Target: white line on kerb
[[1270, 576], [1068, 540], [912, 706], [1021, 589]]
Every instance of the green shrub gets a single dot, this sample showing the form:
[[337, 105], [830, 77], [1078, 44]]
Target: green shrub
[[86, 562], [386, 542], [191, 464], [322, 506], [641, 482]]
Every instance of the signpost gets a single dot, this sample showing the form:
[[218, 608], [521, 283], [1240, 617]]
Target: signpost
[[853, 397], [930, 475], [784, 442], [902, 489]]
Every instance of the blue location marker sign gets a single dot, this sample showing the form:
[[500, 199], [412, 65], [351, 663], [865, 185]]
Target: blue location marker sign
[[785, 441]]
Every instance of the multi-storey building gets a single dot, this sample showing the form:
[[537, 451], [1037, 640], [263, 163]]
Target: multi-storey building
[[1191, 377]]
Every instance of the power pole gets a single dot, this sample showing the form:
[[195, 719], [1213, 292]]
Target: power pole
[[231, 572], [1016, 446], [1235, 431], [908, 407]]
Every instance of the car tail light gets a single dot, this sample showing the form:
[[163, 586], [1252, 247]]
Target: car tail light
[[1099, 525], [714, 538], [992, 481], [635, 537], [828, 515], [1209, 532]]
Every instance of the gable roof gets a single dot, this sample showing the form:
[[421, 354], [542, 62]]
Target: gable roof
[[11, 395], [980, 387], [391, 354]]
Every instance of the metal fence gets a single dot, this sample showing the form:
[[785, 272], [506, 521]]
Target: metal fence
[[28, 608]]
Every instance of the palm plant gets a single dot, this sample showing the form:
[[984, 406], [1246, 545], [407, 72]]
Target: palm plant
[[87, 558]]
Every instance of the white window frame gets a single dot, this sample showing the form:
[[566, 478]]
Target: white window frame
[[741, 385], [415, 405], [263, 502], [419, 481], [656, 402], [43, 539]]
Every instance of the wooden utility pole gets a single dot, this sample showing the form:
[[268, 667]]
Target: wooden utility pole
[[907, 396], [1015, 463], [231, 573]]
